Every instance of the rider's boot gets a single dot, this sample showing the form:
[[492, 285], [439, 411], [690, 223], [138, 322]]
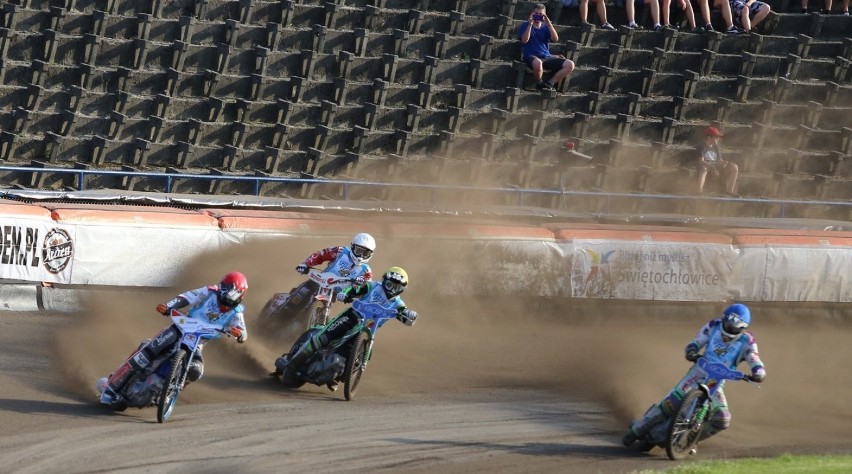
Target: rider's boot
[[639, 428], [332, 386], [299, 358], [629, 438], [107, 395]]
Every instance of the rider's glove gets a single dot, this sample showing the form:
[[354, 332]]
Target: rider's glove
[[163, 309], [344, 297], [408, 316], [360, 280], [692, 356], [757, 377], [239, 334], [302, 268]]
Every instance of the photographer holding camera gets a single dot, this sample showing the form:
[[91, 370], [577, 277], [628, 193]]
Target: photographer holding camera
[[536, 34]]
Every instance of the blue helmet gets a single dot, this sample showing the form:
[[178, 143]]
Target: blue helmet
[[735, 320]]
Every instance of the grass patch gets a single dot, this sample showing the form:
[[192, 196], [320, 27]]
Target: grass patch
[[784, 464]]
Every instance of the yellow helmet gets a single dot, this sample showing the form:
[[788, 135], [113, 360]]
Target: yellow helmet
[[394, 281]]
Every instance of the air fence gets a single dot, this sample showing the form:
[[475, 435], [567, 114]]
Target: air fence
[[77, 244]]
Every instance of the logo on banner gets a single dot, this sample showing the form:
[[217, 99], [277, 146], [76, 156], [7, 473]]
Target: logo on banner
[[57, 250], [597, 281]]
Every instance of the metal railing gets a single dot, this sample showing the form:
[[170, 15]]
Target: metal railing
[[347, 185]]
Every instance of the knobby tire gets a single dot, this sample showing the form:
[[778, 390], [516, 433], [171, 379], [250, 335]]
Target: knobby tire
[[171, 389], [355, 366], [684, 429]]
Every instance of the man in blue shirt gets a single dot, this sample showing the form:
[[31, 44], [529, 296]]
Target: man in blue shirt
[[536, 34]]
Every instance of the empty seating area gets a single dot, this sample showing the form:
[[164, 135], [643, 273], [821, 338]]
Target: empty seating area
[[419, 92]]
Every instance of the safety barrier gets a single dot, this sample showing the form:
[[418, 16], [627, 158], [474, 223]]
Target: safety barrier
[[86, 244]]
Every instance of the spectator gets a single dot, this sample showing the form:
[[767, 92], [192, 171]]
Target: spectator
[[600, 7], [725, 9], [536, 34], [827, 7], [684, 5], [749, 13], [710, 162], [630, 6]]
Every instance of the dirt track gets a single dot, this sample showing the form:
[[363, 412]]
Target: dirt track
[[498, 386]]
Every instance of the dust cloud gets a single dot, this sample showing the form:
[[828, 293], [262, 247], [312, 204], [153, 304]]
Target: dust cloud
[[625, 355]]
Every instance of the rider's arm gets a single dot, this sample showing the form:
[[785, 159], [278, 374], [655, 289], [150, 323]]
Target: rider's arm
[[406, 316], [238, 324], [752, 358], [185, 299], [700, 340], [322, 256], [349, 294]]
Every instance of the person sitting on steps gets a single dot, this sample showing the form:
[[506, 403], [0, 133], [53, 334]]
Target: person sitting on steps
[[536, 34]]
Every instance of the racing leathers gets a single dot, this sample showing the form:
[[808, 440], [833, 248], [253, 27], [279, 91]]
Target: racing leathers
[[339, 327], [203, 304], [341, 262], [742, 348]]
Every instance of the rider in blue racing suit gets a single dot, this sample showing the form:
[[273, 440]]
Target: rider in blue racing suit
[[386, 294], [724, 340], [221, 302]]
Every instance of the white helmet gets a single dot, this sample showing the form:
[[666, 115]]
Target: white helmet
[[363, 246]]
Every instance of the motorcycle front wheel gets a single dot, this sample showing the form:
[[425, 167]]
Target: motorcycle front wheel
[[171, 388], [316, 314], [355, 366], [684, 429]]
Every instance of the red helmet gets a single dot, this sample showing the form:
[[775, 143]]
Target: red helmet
[[232, 288]]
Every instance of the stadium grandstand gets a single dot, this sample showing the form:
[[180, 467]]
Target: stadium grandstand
[[423, 102]]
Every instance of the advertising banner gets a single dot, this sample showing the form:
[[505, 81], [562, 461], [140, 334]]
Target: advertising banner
[[140, 255], [649, 270], [778, 273], [36, 250]]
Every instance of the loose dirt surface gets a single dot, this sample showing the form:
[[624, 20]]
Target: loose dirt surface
[[485, 384]]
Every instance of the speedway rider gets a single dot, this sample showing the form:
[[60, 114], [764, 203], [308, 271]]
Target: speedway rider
[[724, 340], [385, 293], [221, 303], [346, 262]]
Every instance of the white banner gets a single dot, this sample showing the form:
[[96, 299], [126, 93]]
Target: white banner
[[778, 273], [676, 271], [36, 250], [141, 255]]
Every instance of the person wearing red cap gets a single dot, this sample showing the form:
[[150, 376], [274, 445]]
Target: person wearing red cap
[[711, 162]]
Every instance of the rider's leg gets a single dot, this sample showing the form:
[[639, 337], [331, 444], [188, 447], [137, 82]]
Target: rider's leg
[[336, 329], [666, 407], [196, 368], [143, 357], [720, 416]]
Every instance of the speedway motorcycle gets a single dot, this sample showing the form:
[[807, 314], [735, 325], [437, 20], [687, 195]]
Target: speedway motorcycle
[[678, 434], [344, 360], [160, 383], [279, 316]]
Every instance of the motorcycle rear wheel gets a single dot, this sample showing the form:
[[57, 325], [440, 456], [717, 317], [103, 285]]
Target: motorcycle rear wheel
[[289, 378], [269, 321], [355, 366], [683, 432], [172, 387]]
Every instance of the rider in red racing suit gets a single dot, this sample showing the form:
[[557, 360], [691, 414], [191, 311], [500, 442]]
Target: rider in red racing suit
[[346, 262]]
